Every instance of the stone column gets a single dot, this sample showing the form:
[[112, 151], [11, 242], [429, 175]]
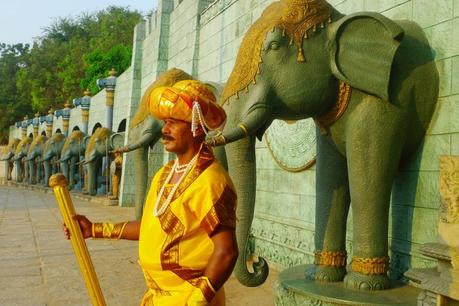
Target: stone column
[[66, 118], [36, 125], [49, 123], [24, 126], [85, 103], [109, 85]]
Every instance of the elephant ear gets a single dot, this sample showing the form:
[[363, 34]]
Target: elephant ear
[[363, 47], [116, 140]]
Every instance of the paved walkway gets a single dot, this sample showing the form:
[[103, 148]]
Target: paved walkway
[[38, 267]]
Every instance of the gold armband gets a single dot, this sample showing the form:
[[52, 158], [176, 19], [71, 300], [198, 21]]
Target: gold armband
[[108, 230]]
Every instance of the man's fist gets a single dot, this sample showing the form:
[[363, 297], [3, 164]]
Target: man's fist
[[85, 226]]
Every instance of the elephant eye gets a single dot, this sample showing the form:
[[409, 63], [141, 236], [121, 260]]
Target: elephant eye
[[274, 45]]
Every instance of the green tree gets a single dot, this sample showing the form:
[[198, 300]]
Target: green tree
[[13, 103], [99, 62], [70, 55]]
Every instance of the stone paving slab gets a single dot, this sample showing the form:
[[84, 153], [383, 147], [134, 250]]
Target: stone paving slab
[[38, 266]]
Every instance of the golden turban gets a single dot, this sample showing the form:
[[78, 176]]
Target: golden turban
[[190, 101]]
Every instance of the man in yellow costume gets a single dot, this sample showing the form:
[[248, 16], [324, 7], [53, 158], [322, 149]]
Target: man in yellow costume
[[187, 244]]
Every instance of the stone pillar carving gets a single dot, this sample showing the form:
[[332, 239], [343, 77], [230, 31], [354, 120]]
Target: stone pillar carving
[[24, 126], [109, 84], [49, 123], [66, 118], [85, 103], [441, 286], [36, 125]]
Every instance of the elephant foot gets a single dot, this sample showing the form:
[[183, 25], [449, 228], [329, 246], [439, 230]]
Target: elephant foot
[[361, 281], [325, 273]]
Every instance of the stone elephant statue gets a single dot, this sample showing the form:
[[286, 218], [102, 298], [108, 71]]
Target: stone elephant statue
[[7, 156], [52, 153], [371, 85], [71, 154], [19, 155], [100, 144], [34, 159], [145, 131]]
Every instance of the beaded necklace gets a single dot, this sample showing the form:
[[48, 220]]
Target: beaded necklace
[[158, 211]]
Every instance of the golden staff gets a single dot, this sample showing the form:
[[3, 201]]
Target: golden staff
[[59, 185]]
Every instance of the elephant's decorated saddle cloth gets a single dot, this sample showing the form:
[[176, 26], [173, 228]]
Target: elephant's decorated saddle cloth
[[175, 246]]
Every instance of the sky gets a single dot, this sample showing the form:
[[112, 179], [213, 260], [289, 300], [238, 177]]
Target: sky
[[22, 20]]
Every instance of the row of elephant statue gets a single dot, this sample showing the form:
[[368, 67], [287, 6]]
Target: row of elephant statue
[[78, 156], [369, 82]]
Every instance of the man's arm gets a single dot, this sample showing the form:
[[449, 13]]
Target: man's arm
[[224, 257], [131, 230]]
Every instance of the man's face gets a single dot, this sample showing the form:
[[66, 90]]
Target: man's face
[[177, 136]]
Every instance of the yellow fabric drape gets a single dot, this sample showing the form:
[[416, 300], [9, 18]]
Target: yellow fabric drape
[[174, 248]]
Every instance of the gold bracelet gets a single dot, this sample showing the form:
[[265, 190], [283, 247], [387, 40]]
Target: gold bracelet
[[244, 129], [108, 230]]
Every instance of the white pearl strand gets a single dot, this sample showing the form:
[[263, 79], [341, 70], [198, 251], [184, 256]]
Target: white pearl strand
[[196, 117], [158, 212]]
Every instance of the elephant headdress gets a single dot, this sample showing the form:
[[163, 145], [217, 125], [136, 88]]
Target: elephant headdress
[[295, 17]]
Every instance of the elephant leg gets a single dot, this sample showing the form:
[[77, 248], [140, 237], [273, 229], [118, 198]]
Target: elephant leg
[[85, 179], [72, 162], [332, 207], [373, 149], [26, 172], [39, 172], [141, 178], [30, 179], [47, 172], [92, 177]]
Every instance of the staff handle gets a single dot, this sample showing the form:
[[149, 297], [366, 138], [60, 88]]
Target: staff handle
[[59, 185]]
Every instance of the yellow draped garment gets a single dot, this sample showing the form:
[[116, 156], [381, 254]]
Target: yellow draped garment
[[175, 247]]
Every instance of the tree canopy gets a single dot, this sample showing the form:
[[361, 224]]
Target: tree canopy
[[67, 59]]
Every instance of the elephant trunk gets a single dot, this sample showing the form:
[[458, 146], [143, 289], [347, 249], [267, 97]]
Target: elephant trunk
[[242, 165], [65, 169], [141, 175], [47, 166], [31, 164], [92, 177], [7, 156]]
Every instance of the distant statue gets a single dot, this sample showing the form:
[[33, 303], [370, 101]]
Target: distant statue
[[115, 173]]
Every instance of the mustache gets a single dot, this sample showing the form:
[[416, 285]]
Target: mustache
[[167, 137]]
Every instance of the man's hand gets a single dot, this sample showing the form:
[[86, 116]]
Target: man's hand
[[85, 226]]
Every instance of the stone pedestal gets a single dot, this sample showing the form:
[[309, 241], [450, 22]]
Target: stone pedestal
[[291, 289], [440, 285], [3, 171]]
